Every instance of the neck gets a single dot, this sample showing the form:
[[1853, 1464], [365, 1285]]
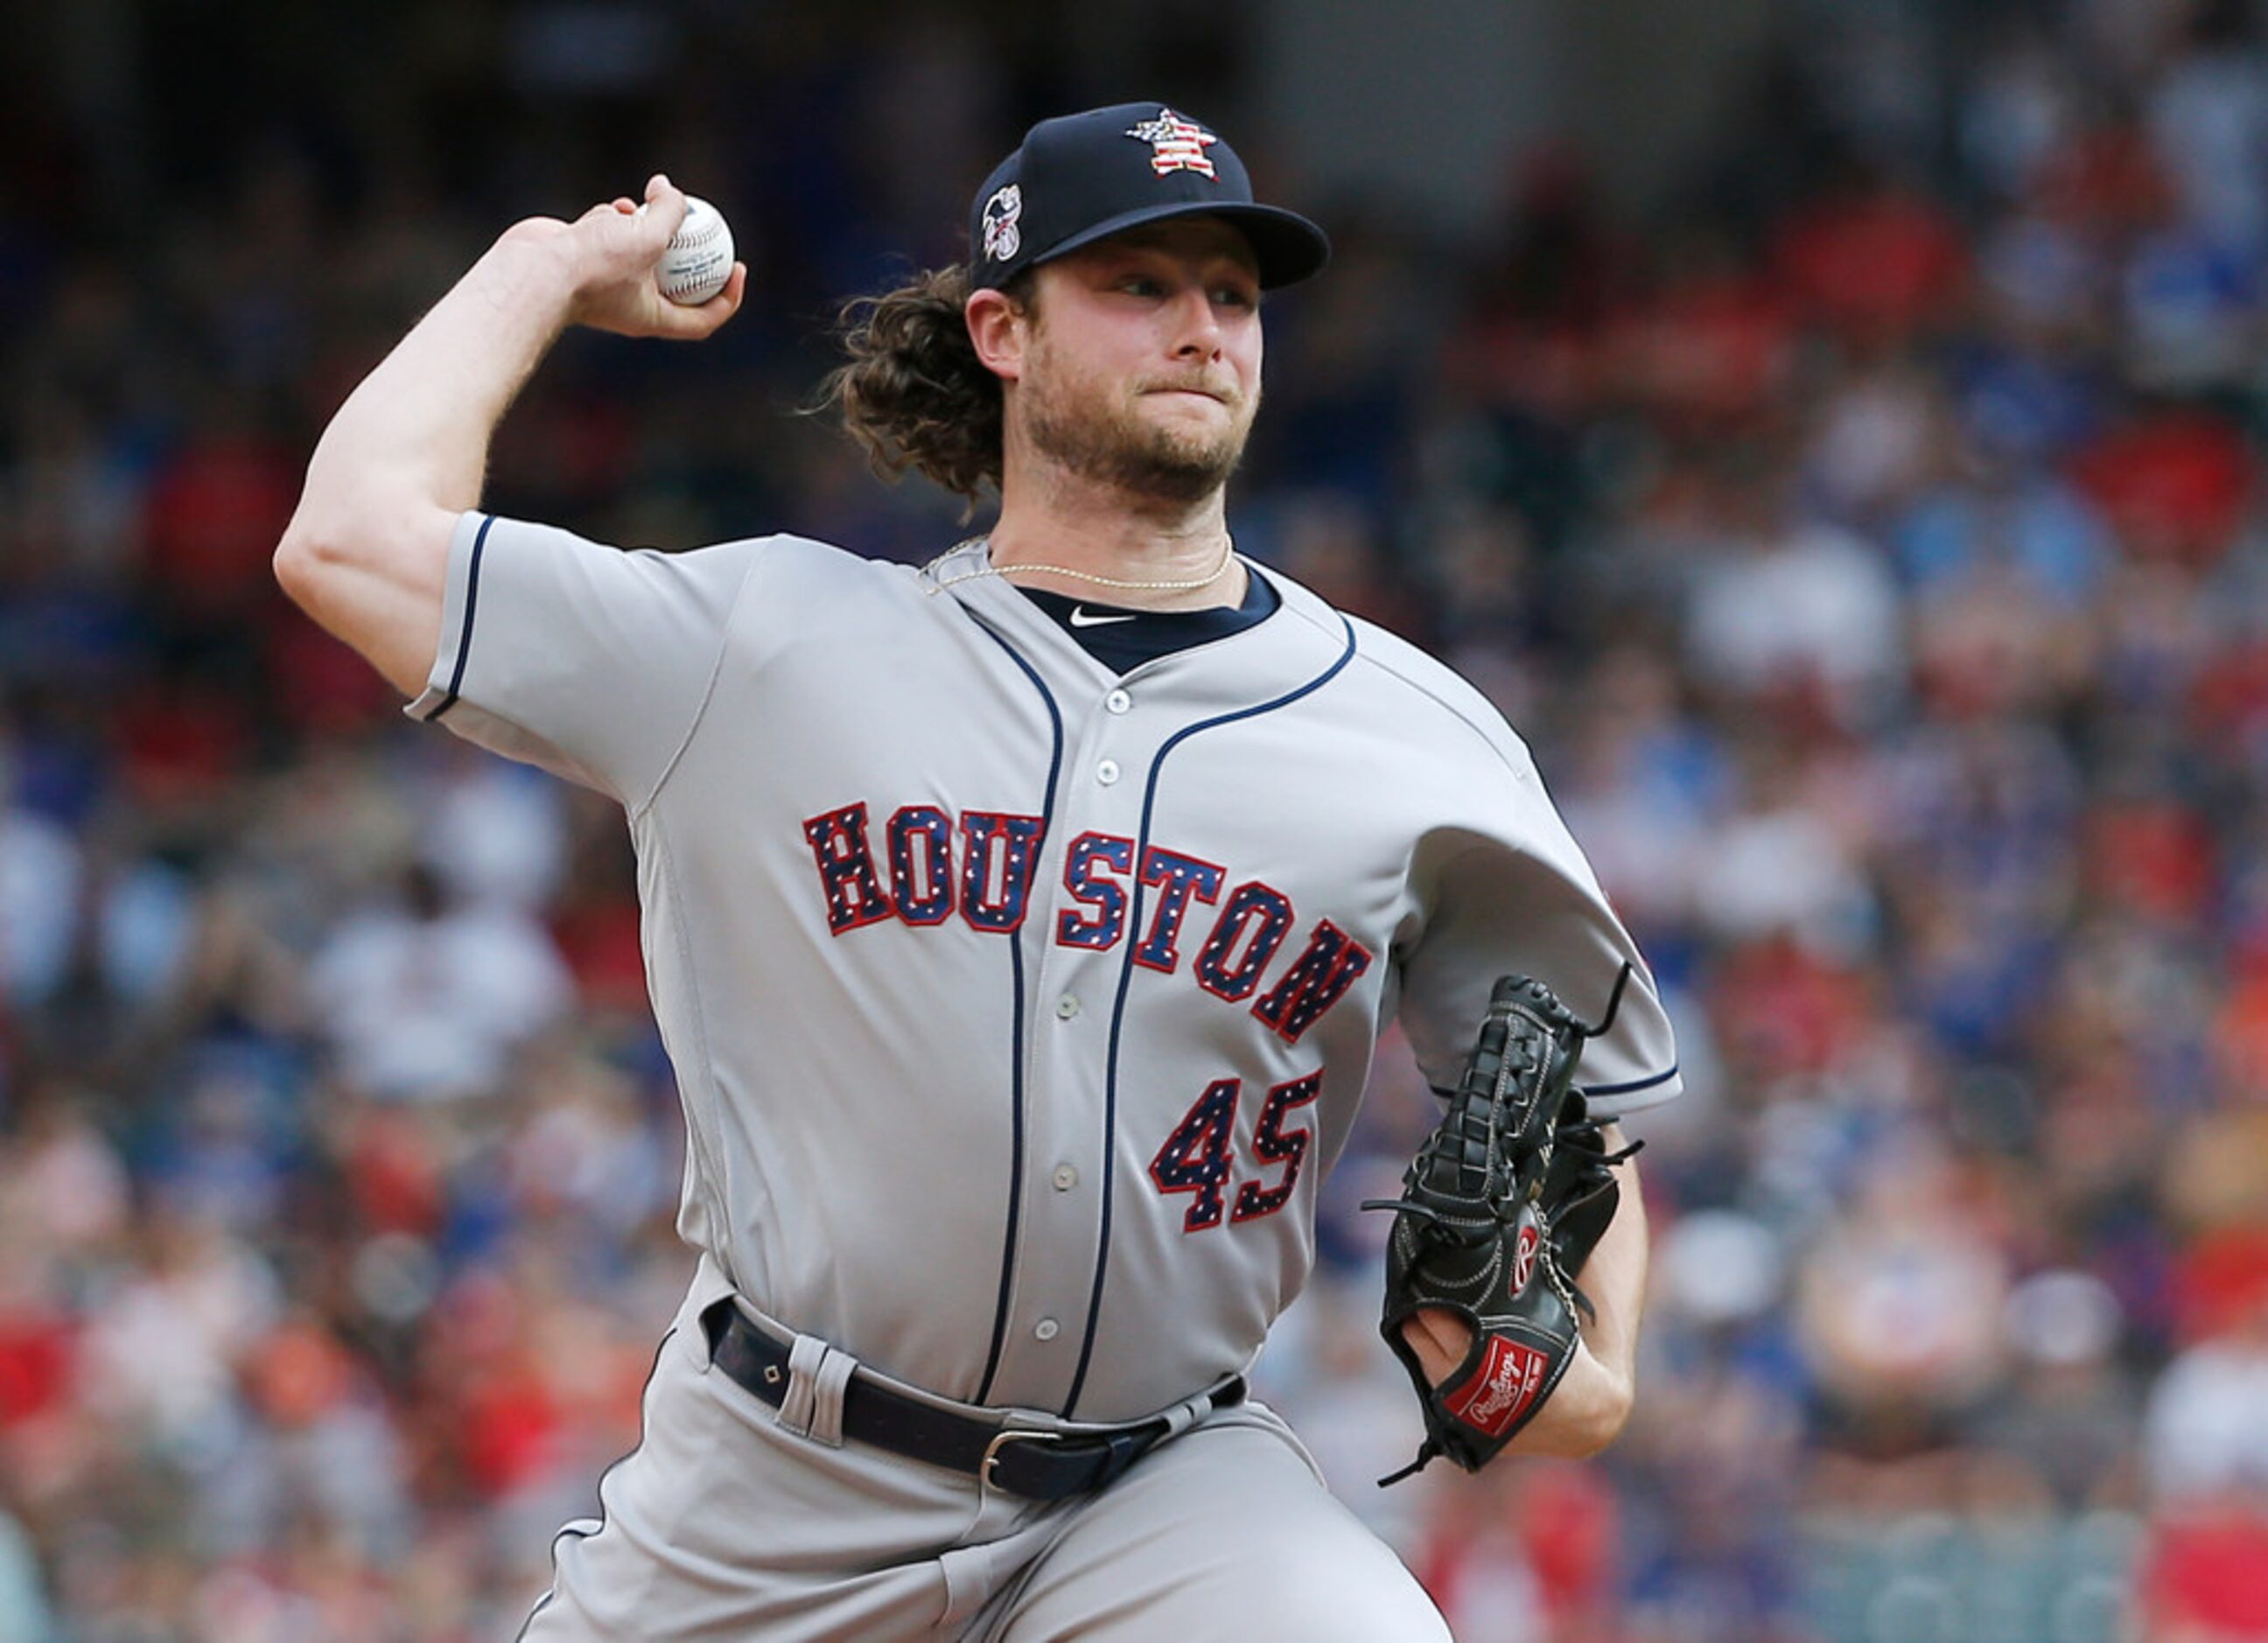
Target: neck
[[1054, 519]]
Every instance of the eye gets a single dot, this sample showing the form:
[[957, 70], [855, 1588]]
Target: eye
[[1236, 297], [1141, 285]]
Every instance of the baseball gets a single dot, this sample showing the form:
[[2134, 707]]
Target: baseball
[[699, 258]]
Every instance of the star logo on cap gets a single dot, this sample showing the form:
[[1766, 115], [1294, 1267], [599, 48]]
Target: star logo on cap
[[1176, 144]]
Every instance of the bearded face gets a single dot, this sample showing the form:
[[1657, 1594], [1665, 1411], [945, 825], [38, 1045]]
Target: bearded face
[[1142, 368], [1153, 437]]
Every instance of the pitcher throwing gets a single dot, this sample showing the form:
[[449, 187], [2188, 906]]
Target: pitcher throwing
[[1020, 928]]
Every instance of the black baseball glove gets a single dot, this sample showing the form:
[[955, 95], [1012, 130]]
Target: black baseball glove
[[1499, 1211]]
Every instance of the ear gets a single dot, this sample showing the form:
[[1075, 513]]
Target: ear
[[998, 329]]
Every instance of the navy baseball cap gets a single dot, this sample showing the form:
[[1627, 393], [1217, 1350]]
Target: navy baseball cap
[[1083, 177]]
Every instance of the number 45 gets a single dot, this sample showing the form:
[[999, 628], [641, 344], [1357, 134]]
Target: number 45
[[1195, 1158]]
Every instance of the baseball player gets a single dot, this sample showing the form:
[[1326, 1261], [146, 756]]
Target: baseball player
[[1021, 927]]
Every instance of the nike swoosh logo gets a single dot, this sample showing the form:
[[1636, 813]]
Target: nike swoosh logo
[[1079, 618]]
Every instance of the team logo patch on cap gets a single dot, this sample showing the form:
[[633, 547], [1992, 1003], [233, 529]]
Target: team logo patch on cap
[[1004, 213], [1175, 144]]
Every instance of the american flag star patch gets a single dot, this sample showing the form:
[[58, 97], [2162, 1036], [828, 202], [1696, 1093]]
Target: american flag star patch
[[1176, 144]]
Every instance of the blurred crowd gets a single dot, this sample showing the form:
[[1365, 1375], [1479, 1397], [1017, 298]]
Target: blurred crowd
[[1869, 537]]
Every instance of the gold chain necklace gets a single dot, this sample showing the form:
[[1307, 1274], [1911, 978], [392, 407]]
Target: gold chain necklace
[[1228, 557]]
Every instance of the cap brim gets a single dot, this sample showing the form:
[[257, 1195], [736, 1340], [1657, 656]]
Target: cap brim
[[1285, 244]]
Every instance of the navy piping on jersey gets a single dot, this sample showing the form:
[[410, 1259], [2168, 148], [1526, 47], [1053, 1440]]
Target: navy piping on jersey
[[1016, 1032], [464, 637], [1593, 1091], [571, 1531], [1126, 975]]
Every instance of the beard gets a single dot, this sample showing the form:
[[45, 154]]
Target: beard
[[1110, 442]]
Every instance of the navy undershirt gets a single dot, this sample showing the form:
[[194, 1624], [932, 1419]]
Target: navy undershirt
[[1127, 638]]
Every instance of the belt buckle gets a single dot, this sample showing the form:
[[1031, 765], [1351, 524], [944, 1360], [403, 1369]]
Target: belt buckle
[[991, 1456]]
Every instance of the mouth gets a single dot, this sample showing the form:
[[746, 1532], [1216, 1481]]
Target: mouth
[[1188, 392]]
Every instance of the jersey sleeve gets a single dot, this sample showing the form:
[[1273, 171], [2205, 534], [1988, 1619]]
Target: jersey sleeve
[[1509, 891], [590, 662]]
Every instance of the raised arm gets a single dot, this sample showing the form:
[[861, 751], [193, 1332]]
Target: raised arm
[[367, 548]]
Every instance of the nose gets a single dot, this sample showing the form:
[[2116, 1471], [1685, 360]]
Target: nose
[[1196, 327]]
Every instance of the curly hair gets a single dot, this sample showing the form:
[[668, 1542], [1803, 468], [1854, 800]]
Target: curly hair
[[914, 392]]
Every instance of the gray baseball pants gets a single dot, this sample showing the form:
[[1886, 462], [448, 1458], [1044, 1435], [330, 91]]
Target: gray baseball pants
[[724, 1523]]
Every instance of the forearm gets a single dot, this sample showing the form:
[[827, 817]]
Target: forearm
[[1615, 1276], [1594, 1400], [419, 425]]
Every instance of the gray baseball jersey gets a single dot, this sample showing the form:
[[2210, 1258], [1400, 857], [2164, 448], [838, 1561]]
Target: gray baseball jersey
[[1019, 1007]]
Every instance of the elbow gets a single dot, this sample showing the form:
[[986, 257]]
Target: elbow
[[298, 563], [370, 572], [308, 555], [1602, 1421], [1585, 1416], [336, 544]]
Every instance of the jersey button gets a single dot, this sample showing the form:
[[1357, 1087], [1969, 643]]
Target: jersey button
[[1118, 701], [1065, 1177], [1107, 772], [1046, 1329], [1067, 1007]]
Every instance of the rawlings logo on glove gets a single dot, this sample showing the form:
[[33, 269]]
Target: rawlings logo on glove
[[1500, 1208], [1510, 1375]]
